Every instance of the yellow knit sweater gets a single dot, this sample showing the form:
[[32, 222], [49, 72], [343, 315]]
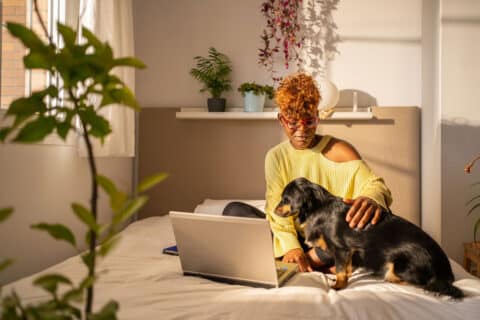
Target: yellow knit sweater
[[284, 163]]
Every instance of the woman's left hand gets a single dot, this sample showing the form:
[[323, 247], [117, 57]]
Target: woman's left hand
[[363, 211]]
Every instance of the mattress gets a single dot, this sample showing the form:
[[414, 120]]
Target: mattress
[[150, 285]]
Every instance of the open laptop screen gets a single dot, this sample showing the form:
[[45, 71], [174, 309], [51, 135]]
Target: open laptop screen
[[226, 248]]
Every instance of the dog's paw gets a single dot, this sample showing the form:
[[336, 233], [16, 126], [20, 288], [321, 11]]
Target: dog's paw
[[341, 282]]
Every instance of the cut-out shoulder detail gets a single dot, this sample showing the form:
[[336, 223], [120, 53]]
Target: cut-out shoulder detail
[[340, 151]]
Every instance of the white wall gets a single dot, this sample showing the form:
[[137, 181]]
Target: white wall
[[460, 101], [40, 182], [380, 54]]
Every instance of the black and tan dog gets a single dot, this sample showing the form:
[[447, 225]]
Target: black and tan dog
[[394, 248]]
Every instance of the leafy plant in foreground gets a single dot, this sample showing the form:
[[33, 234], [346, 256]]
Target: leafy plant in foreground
[[85, 73]]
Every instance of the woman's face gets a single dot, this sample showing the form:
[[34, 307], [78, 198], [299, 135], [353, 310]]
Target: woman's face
[[300, 131]]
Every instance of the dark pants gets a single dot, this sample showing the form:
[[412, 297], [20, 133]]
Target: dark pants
[[240, 209]]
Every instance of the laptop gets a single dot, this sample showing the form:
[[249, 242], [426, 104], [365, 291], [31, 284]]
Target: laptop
[[229, 249]]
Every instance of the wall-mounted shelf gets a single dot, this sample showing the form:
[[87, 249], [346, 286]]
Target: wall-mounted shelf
[[268, 114]]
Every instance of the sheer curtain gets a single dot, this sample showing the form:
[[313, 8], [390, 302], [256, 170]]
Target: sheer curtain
[[112, 21]]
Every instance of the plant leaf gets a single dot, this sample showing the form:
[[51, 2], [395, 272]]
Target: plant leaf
[[36, 130], [5, 213], [108, 245], [5, 263], [25, 107], [73, 295], [107, 185], [117, 198], [50, 282], [475, 229], [68, 35], [129, 61], [92, 39], [132, 207], [27, 36], [121, 96], [473, 199], [86, 216], [57, 231], [37, 60], [4, 133], [99, 126], [87, 259], [151, 181], [108, 312], [87, 282], [473, 208]]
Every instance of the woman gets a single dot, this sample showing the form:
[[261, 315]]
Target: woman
[[325, 160]]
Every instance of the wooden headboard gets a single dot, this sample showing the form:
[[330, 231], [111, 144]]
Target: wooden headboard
[[224, 159]]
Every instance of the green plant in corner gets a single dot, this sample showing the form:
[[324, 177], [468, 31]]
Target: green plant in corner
[[475, 201], [213, 72], [85, 70]]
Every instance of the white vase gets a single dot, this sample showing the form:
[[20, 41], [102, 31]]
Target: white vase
[[329, 93], [252, 102]]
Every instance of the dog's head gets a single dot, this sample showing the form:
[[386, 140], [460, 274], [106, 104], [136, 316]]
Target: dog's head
[[301, 197]]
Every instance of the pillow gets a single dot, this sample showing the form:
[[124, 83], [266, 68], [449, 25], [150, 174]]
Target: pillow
[[215, 207]]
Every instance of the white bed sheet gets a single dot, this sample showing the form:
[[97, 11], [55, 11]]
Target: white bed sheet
[[150, 285]]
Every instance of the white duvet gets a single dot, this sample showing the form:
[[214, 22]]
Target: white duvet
[[150, 285]]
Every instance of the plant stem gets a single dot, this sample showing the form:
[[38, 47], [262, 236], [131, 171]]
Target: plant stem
[[37, 11], [93, 205]]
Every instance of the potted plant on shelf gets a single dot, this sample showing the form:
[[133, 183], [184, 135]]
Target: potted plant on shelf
[[254, 96], [213, 72]]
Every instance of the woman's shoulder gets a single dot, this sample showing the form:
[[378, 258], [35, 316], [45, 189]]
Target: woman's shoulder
[[339, 150], [276, 151]]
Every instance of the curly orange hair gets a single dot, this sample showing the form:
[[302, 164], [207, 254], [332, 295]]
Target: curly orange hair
[[298, 96]]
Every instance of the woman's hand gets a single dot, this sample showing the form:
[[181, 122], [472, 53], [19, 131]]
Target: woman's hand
[[298, 256], [363, 211]]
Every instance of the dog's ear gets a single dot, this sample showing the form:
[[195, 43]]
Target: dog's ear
[[320, 194]]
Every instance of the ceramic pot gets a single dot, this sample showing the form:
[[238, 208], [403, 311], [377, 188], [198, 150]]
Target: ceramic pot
[[253, 102], [216, 104]]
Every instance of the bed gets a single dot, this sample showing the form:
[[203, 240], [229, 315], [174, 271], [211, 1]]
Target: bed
[[150, 285]]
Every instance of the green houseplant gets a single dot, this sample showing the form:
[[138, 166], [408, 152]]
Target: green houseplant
[[254, 95], [84, 71], [213, 72], [475, 201]]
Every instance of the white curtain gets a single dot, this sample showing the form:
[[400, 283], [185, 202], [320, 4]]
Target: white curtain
[[112, 21]]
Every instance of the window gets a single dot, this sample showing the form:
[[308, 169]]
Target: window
[[15, 81]]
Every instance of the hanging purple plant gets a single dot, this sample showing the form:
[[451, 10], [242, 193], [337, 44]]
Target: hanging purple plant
[[282, 34]]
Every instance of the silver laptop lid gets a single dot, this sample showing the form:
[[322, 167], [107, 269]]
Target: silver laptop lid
[[225, 248]]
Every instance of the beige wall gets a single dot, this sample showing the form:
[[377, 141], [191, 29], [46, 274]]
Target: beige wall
[[40, 182], [225, 159]]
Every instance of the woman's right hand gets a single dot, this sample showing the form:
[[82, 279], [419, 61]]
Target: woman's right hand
[[298, 256]]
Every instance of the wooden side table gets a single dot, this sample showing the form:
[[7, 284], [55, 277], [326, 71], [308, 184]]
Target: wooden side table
[[471, 256]]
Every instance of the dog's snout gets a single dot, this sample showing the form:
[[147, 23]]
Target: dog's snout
[[283, 210]]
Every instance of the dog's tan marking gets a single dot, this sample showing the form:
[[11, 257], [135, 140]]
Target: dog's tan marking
[[284, 210], [349, 267], [342, 281], [390, 274], [345, 273], [321, 243]]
